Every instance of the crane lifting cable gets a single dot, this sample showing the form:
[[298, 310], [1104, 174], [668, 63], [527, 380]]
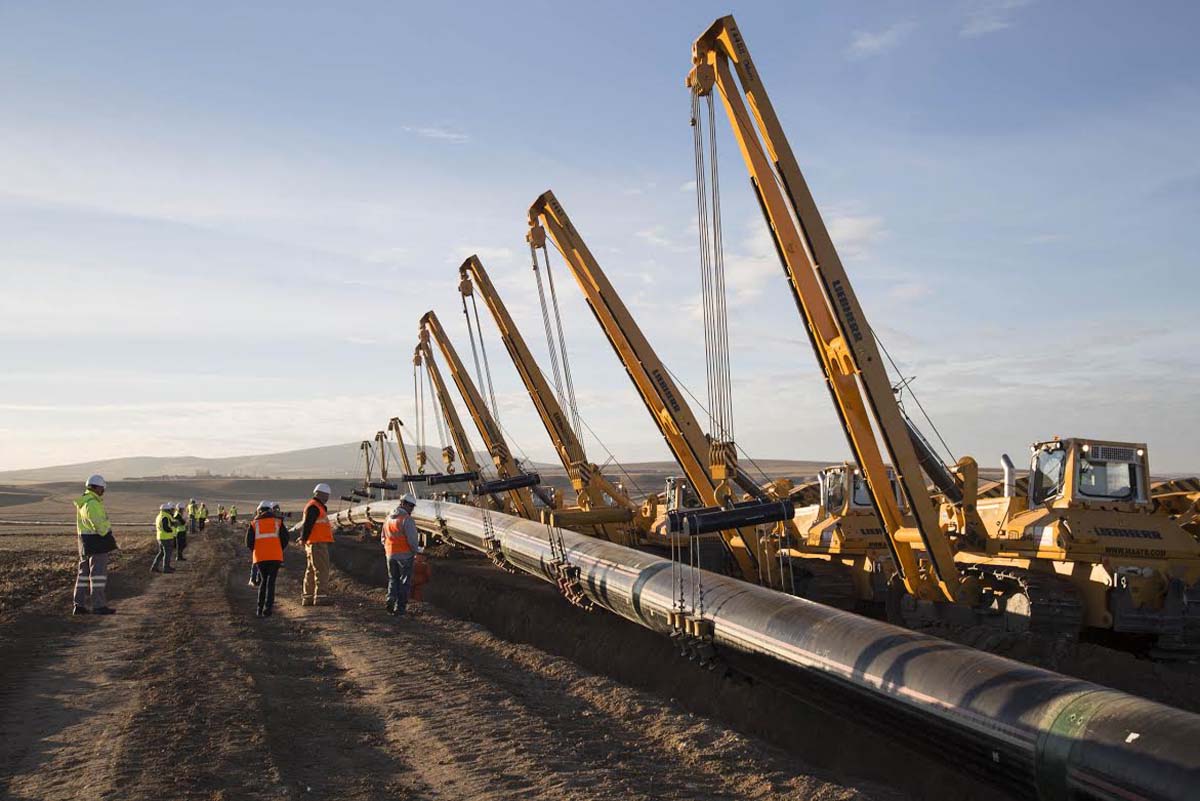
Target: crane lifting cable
[[712, 282], [557, 348], [487, 369]]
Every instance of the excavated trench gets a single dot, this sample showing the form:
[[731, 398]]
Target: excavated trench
[[749, 694]]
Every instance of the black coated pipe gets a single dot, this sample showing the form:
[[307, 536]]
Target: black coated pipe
[[507, 484], [451, 478], [716, 518], [384, 485]]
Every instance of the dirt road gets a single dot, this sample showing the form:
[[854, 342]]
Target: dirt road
[[185, 694]]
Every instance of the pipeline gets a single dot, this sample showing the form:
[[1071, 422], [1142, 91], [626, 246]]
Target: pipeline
[[1035, 733]]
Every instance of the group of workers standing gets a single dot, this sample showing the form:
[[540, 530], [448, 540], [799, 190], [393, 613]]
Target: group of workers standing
[[171, 528], [266, 537]]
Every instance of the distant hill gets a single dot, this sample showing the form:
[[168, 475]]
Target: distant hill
[[328, 460]]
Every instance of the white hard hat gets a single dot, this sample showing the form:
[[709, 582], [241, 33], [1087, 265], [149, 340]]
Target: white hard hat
[[164, 507], [322, 487], [409, 498], [264, 506], [274, 504], [95, 480], [192, 500]]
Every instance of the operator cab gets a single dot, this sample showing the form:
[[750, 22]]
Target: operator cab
[[1085, 472], [844, 490]]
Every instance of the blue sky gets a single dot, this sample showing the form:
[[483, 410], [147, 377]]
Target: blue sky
[[220, 222]]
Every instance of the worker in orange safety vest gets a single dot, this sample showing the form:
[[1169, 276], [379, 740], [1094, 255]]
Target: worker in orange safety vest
[[401, 544], [266, 537], [316, 533]]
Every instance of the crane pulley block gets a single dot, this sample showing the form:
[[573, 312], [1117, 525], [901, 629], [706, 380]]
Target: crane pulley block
[[383, 485], [451, 478], [508, 484], [708, 519]]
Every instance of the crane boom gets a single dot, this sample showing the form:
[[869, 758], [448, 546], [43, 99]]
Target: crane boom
[[458, 436], [667, 406], [395, 425], [493, 439], [838, 330], [591, 486]]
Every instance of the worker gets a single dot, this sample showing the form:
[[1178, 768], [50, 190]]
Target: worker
[[266, 537], [96, 542], [401, 544], [164, 532], [202, 514], [220, 513], [317, 535], [233, 514], [181, 530], [193, 516]]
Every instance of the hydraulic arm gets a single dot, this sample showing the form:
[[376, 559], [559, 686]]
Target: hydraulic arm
[[512, 479], [845, 347], [423, 355], [664, 401], [594, 491]]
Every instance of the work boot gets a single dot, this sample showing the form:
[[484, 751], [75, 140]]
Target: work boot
[[267, 612], [306, 602], [104, 610], [322, 601], [80, 610], [391, 606], [168, 570], [258, 612]]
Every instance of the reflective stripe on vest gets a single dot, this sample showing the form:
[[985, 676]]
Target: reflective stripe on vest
[[321, 530], [164, 526], [394, 539], [267, 547]]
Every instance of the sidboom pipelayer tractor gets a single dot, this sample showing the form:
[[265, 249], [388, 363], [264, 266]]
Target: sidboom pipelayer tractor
[[1083, 547]]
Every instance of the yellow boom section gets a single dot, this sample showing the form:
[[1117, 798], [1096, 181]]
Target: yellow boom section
[[837, 326]]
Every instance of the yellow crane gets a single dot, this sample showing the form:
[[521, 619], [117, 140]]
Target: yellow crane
[[603, 508], [1083, 546], [512, 480], [710, 467], [460, 446]]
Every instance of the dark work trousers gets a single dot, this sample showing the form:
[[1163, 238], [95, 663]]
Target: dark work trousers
[[400, 571], [180, 544], [266, 588], [255, 576], [163, 560]]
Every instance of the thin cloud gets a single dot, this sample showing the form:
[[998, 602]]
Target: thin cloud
[[864, 44], [990, 16], [853, 234], [486, 254], [434, 132]]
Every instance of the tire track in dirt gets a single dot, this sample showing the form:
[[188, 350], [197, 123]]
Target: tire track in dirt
[[495, 720]]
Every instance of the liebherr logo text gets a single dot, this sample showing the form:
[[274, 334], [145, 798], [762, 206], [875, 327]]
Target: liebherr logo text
[[839, 292], [1137, 533], [665, 390]]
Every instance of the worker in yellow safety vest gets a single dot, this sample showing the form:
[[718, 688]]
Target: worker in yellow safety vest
[[316, 533], [401, 544], [193, 517], [233, 515], [164, 532], [96, 542], [181, 531], [266, 537], [201, 515]]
